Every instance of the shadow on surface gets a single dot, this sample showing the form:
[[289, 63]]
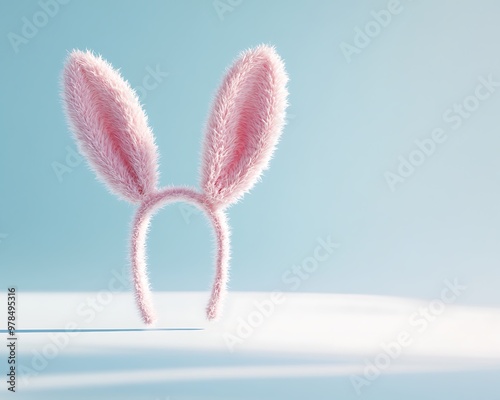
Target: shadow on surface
[[102, 330]]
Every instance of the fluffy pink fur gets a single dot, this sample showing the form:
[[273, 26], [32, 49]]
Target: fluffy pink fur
[[242, 131], [244, 126], [110, 126], [148, 208]]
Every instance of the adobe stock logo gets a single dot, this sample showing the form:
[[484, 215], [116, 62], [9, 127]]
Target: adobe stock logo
[[31, 26], [454, 116], [292, 279], [151, 80], [364, 36], [72, 160], [418, 323], [86, 312], [223, 7]]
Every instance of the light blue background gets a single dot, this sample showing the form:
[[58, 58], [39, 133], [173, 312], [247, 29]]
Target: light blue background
[[349, 124]]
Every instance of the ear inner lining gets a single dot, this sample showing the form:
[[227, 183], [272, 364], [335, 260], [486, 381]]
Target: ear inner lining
[[148, 208], [106, 116], [109, 126]]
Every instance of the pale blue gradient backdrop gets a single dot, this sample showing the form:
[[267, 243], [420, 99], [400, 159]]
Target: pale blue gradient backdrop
[[349, 124]]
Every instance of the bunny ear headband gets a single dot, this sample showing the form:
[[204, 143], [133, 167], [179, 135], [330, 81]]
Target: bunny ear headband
[[112, 131]]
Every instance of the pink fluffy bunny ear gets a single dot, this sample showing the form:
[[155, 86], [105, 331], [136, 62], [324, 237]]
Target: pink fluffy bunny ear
[[244, 126], [110, 126]]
